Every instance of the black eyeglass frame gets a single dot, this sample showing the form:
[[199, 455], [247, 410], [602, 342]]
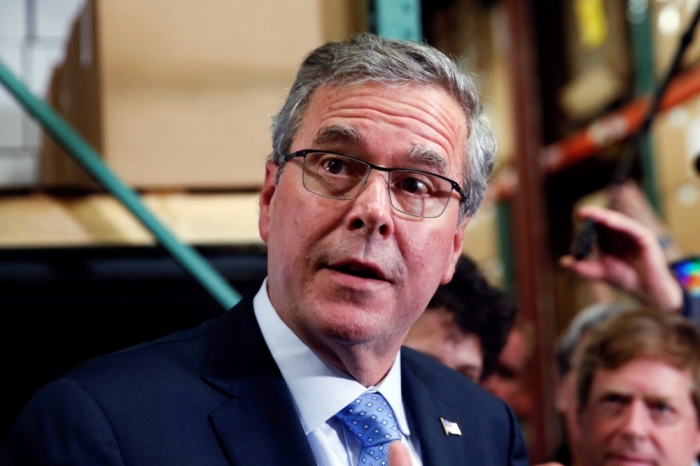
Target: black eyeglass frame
[[305, 152]]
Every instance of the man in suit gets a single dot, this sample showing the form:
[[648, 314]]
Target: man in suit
[[363, 220]]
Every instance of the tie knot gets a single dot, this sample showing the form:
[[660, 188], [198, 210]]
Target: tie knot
[[371, 419]]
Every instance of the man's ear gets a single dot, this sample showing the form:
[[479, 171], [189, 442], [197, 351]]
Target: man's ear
[[266, 198], [457, 246]]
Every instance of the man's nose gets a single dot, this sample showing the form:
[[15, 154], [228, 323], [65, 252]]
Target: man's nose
[[636, 420], [371, 209]]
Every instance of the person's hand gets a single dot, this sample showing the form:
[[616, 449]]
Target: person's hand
[[629, 199], [398, 455], [629, 257]]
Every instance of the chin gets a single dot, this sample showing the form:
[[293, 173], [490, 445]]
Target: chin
[[350, 327]]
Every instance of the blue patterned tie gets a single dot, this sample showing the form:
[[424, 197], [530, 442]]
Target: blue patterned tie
[[372, 420]]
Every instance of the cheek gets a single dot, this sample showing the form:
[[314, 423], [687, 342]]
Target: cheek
[[287, 235], [430, 243], [430, 253], [599, 430], [686, 437]]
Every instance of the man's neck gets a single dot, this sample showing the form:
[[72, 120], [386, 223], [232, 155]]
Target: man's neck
[[368, 363]]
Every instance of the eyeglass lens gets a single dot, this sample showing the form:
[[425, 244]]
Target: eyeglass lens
[[341, 177]]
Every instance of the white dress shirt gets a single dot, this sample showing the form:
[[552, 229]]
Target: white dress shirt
[[320, 390]]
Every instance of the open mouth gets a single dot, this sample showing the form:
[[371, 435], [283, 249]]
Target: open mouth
[[359, 270], [629, 459]]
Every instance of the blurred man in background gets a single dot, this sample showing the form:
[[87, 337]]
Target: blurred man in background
[[509, 380], [466, 323], [569, 350], [639, 391]]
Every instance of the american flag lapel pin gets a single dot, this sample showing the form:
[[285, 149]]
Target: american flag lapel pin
[[451, 428]]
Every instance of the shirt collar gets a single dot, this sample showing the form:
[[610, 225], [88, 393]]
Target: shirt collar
[[319, 389]]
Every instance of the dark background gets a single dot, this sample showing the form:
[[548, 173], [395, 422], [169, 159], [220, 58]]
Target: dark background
[[62, 306]]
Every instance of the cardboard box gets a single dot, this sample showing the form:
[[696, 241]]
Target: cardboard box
[[177, 94], [478, 37], [669, 21], [38, 220], [598, 54], [49, 155], [481, 239], [497, 98], [676, 137], [681, 204], [99, 219]]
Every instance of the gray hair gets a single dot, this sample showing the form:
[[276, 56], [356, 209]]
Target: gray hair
[[366, 58], [585, 321]]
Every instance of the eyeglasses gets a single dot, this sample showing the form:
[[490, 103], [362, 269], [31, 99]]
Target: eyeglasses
[[339, 176]]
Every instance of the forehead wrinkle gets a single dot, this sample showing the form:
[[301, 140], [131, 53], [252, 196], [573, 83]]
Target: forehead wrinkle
[[428, 156], [338, 133], [436, 120], [439, 119], [657, 393]]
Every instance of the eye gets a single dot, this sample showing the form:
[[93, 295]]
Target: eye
[[612, 404], [334, 166], [662, 412], [660, 407], [611, 399], [413, 185]]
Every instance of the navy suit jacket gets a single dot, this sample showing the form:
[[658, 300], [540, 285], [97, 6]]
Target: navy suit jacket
[[213, 395]]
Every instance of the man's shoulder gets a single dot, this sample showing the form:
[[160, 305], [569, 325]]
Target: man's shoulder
[[488, 428], [447, 383], [145, 398], [426, 366], [184, 349]]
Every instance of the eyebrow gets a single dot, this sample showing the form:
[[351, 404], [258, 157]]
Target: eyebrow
[[417, 154], [427, 156], [624, 396], [628, 397], [338, 134]]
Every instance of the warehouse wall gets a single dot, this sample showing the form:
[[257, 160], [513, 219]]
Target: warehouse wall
[[32, 40]]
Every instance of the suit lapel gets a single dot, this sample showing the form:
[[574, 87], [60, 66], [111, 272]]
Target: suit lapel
[[259, 425], [425, 411]]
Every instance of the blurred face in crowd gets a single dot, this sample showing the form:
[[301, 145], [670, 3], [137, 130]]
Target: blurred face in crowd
[[360, 272], [508, 381], [640, 414], [567, 402], [437, 334]]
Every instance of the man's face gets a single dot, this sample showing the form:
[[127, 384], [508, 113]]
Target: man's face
[[346, 272], [508, 382], [640, 414], [436, 334]]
